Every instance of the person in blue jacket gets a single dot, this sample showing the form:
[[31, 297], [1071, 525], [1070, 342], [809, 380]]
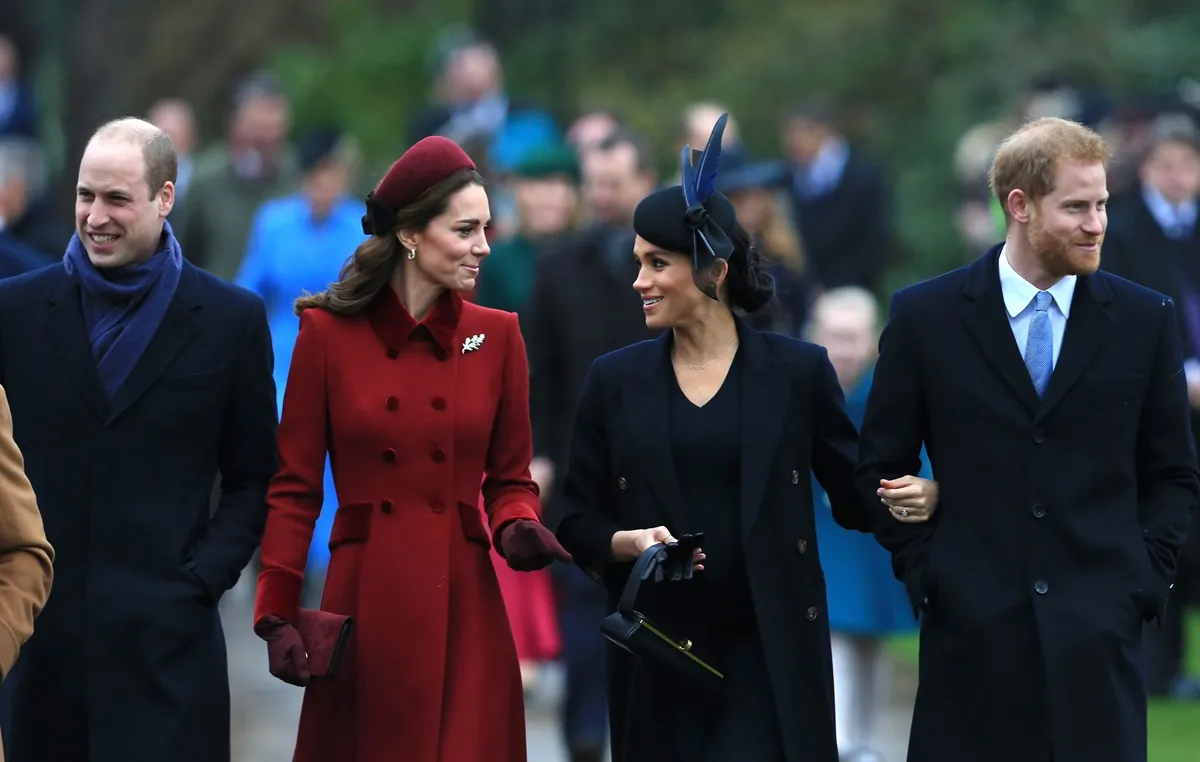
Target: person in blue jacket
[[867, 605], [297, 244]]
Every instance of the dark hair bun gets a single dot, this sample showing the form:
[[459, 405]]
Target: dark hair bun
[[750, 286]]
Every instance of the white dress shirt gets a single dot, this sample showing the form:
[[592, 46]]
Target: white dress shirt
[[1018, 296]]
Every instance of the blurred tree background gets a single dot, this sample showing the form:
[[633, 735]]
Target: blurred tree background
[[908, 76]]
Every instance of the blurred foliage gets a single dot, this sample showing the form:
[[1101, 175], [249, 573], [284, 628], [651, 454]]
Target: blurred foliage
[[371, 74], [909, 76]]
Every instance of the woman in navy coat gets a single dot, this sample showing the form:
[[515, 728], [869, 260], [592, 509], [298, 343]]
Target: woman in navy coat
[[714, 427]]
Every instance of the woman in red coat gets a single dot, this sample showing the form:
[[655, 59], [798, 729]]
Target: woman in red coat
[[416, 395]]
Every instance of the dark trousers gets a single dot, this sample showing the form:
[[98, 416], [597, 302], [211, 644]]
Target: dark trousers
[[581, 608]]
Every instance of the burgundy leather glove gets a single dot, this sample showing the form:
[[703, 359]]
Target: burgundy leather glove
[[286, 654], [529, 546]]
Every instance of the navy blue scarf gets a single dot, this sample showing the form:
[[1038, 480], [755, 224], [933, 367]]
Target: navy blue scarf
[[123, 306]]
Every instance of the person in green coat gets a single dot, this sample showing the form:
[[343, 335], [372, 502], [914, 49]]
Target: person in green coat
[[545, 186]]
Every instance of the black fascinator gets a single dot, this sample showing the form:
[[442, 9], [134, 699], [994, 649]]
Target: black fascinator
[[692, 218]]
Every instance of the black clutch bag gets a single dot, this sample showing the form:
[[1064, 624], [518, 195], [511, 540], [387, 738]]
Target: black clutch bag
[[632, 631]]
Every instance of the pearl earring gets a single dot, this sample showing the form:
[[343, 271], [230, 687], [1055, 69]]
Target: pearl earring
[[412, 253]]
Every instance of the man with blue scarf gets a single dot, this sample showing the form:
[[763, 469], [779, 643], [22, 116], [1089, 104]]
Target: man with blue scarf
[[134, 380]]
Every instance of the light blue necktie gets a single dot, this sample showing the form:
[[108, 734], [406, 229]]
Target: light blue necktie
[[1039, 347]]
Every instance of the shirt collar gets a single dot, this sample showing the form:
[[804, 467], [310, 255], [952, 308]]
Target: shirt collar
[[1018, 292], [827, 167], [394, 326], [1169, 215]]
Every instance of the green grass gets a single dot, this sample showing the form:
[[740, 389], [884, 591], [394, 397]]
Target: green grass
[[1174, 726]]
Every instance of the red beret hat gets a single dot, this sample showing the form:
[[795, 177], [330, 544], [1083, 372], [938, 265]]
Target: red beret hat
[[427, 163]]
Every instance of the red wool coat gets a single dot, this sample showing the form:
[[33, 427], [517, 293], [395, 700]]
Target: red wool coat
[[412, 416]]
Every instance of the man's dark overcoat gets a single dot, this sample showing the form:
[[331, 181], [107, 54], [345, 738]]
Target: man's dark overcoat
[[128, 659], [1059, 520]]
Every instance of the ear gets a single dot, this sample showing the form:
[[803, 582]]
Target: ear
[[166, 198], [719, 271], [1020, 206], [408, 239]]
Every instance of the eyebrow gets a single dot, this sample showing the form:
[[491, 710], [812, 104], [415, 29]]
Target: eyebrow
[[471, 221], [112, 192]]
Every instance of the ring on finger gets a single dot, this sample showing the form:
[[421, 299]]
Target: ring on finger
[[904, 512]]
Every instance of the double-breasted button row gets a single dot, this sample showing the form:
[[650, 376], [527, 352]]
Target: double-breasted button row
[[437, 455], [795, 476], [392, 403], [622, 483], [802, 547], [811, 614], [386, 506]]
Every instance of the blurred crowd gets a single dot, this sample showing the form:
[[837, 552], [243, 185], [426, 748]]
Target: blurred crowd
[[278, 212]]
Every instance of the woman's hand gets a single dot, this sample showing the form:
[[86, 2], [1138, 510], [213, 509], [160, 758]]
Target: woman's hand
[[529, 546], [286, 656], [910, 499], [630, 544]]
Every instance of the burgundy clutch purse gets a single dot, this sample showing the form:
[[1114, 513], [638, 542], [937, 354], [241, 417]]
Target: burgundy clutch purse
[[326, 637]]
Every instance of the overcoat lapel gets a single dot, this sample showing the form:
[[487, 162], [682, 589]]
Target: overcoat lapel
[[1088, 328], [766, 399], [647, 426], [987, 322], [174, 333], [67, 332], [765, 405]]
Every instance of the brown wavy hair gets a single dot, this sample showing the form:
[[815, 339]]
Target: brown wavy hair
[[371, 265]]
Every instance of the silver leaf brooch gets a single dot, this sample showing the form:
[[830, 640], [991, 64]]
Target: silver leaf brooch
[[472, 343]]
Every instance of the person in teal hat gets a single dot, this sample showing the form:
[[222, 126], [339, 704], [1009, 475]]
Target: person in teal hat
[[545, 185]]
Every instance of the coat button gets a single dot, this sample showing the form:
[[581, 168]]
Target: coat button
[[389, 455], [438, 455], [802, 546], [393, 354], [1039, 510], [1039, 436], [392, 403], [811, 614], [622, 484], [439, 403], [436, 506], [1041, 587], [795, 476], [386, 506]]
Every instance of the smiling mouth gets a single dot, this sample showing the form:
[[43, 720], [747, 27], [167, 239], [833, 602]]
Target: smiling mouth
[[647, 303], [102, 238]]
